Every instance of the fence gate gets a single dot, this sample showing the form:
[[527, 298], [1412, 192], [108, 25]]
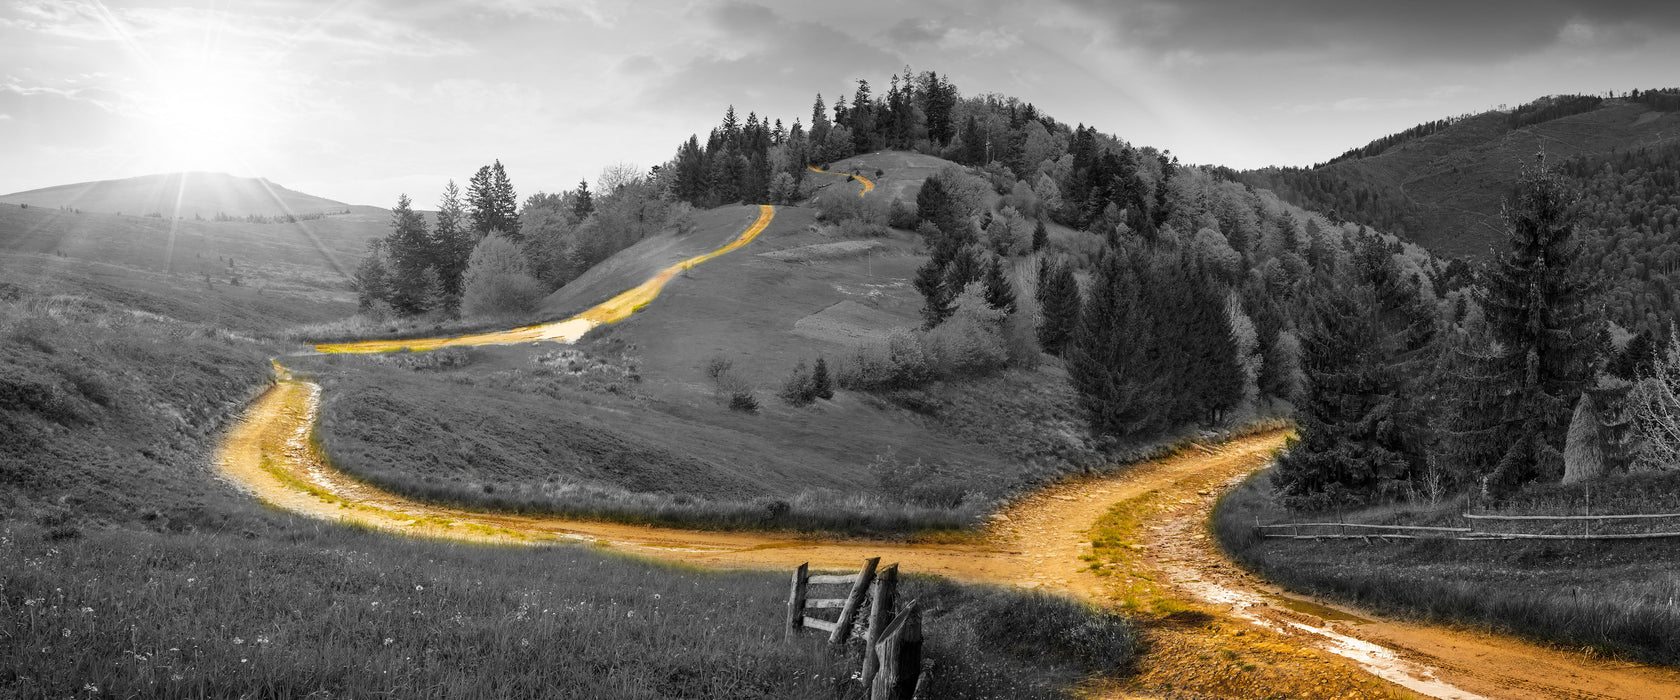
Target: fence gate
[[892, 657]]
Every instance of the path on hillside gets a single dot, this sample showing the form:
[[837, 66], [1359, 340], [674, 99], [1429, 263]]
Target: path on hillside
[[615, 309], [1234, 636], [868, 184]]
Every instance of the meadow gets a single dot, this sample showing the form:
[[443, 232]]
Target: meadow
[[1612, 597]]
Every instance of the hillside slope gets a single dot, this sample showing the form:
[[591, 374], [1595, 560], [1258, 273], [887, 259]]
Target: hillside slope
[[1444, 190], [180, 195], [234, 274]]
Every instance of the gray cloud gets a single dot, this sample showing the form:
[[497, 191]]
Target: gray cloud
[[765, 60], [1419, 29]]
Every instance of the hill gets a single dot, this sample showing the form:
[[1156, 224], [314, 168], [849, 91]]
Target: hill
[[234, 274], [1443, 185], [192, 195]]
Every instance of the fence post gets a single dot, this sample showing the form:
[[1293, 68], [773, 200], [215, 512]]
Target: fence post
[[843, 628], [880, 615], [900, 652], [796, 599]]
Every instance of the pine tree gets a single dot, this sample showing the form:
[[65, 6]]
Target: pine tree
[[492, 204], [1040, 237], [1000, 294], [937, 298], [1362, 418], [372, 280], [1542, 343], [1108, 359], [1059, 304], [585, 202], [409, 250], [452, 242]]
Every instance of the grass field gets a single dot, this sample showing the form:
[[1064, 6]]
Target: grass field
[[1614, 597], [127, 569]]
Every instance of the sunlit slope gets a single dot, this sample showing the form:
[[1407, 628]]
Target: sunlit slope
[[614, 309], [183, 195], [234, 274]]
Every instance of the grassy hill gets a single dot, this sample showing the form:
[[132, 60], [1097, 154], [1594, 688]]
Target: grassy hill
[[629, 423], [234, 274], [1443, 188], [180, 196]]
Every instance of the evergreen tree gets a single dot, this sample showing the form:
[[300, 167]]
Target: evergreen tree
[[415, 286], [1059, 303], [452, 241], [1362, 421], [492, 203], [691, 182], [1109, 361], [1040, 236], [937, 298], [1542, 343], [372, 280], [585, 202], [1000, 294]]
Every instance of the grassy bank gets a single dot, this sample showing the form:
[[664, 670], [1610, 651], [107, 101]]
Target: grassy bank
[[309, 608], [1614, 597]]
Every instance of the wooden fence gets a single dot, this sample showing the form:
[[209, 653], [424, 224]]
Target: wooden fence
[[1472, 532], [892, 655]]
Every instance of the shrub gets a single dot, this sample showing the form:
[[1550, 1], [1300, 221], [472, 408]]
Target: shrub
[[970, 343], [900, 363], [821, 384], [799, 389], [498, 280], [901, 215], [717, 366]]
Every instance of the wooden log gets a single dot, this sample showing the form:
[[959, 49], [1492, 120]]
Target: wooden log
[[834, 578], [817, 624], [1469, 516], [880, 615], [843, 629], [900, 654], [796, 599], [1373, 527], [825, 603]]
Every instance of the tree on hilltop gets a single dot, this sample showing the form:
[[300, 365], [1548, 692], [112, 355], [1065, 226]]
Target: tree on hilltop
[[492, 203]]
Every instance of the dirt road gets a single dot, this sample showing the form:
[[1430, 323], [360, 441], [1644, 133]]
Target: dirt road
[[1228, 635], [615, 309], [868, 184]]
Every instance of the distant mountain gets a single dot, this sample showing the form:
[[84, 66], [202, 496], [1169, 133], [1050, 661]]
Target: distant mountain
[[1441, 184], [184, 195]]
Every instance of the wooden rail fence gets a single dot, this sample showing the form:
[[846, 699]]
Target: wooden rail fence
[[892, 655], [1384, 533]]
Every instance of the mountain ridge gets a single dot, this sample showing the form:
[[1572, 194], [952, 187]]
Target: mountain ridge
[[194, 194]]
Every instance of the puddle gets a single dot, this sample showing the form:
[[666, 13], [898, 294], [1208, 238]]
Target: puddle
[[1328, 614], [1379, 661]]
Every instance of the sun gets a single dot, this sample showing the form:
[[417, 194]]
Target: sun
[[202, 116]]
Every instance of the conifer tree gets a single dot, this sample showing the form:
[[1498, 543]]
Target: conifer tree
[[1000, 294], [1059, 304], [585, 202], [937, 297], [1040, 237], [1362, 419], [1109, 358], [1542, 343], [415, 286], [491, 202], [452, 242]]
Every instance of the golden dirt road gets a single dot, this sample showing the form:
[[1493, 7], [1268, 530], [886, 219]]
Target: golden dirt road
[[1240, 638], [615, 309], [868, 184]]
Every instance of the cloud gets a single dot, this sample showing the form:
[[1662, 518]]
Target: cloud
[[107, 100], [949, 35], [591, 10], [5, 117], [1418, 29], [281, 28], [750, 55]]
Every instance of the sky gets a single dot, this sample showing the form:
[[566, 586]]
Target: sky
[[360, 101]]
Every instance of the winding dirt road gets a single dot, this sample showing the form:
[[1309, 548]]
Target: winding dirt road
[[1212, 630], [868, 184]]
